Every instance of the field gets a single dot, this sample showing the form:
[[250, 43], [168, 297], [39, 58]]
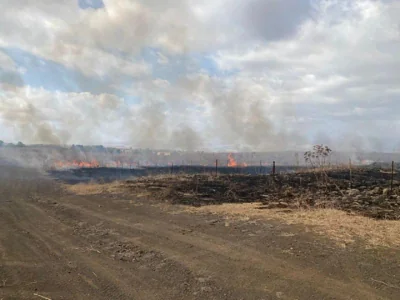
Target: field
[[296, 236]]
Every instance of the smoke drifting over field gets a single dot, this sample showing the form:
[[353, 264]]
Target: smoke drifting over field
[[52, 157], [201, 75]]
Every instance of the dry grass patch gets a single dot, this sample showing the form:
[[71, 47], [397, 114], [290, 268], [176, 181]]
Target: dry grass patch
[[94, 188], [342, 227]]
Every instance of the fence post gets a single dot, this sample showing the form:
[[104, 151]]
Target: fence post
[[391, 180], [273, 168], [216, 167], [350, 171]]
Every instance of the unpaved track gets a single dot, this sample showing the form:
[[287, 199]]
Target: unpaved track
[[116, 247]]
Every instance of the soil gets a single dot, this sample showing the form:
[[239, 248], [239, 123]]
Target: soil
[[55, 244]]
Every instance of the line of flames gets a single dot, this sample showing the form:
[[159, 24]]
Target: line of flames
[[118, 164], [77, 164], [91, 164]]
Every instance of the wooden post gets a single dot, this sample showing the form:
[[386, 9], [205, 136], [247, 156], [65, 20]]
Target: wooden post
[[261, 168], [350, 171], [273, 168], [216, 167], [172, 168], [391, 180]]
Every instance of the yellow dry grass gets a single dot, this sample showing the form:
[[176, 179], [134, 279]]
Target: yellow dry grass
[[335, 224], [93, 188]]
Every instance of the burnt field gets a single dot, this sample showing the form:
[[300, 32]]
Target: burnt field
[[307, 235], [367, 191], [103, 174]]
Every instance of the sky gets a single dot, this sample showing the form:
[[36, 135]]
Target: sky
[[213, 75]]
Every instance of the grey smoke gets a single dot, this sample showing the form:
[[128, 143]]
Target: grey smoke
[[30, 125], [273, 61]]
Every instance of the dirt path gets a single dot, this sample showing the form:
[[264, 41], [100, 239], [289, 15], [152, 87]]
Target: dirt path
[[111, 247]]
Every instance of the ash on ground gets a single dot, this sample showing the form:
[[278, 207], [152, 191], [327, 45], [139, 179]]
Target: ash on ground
[[370, 192]]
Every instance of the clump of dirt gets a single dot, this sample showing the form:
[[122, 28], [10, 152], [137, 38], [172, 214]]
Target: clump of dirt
[[368, 193]]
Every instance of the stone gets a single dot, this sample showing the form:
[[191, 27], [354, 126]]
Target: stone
[[353, 192], [358, 197], [376, 190], [378, 199], [345, 199], [386, 192], [371, 193], [288, 193]]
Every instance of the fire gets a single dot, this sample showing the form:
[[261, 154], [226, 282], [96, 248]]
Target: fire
[[76, 164], [232, 162]]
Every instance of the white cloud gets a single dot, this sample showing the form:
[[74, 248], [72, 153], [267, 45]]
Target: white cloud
[[6, 63], [300, 70], [345, 55]]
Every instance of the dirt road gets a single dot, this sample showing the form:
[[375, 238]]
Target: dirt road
[[107, 246]]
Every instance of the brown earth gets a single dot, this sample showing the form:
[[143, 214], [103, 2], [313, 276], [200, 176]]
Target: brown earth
[[104, 242]]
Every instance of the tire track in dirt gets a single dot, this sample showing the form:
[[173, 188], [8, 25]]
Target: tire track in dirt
[[152, 285], [49, 244], [230, 256]]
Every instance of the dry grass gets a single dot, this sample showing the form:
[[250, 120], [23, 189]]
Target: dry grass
[[338, 225], [327, 168], [94, 188]]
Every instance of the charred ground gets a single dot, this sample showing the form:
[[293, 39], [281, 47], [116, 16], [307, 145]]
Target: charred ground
[[367, 191]]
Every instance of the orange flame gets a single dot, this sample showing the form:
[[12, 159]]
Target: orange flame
[[232, 162], [77, 164]]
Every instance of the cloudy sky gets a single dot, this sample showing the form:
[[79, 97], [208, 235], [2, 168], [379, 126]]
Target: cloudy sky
[[201, 74]]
